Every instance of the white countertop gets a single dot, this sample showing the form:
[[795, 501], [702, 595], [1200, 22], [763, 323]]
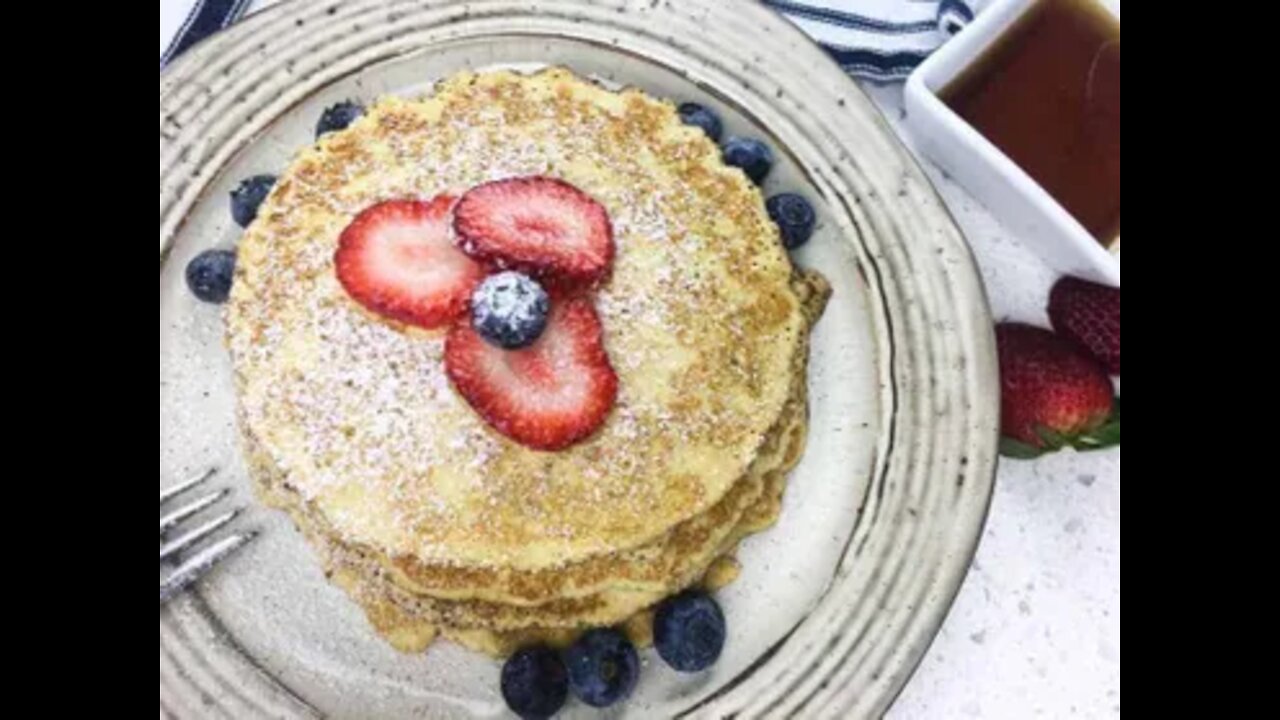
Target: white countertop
[[1036, 631]]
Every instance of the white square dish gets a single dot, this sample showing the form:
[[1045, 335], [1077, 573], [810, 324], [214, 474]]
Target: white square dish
[[988, 174]]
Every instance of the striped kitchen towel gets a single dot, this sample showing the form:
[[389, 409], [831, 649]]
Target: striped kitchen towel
[[205, 18], [882, 40]]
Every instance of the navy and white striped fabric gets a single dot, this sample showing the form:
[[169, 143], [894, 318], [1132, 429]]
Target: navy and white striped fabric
[[882, 40], [206, 18]]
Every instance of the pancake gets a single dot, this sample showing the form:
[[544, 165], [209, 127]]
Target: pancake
[[434, 523], [411, 622]]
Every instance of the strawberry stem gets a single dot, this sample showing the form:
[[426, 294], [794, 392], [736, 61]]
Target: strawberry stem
[[1107, 436], [1053, 440], [1017, 450], [1103, 438]]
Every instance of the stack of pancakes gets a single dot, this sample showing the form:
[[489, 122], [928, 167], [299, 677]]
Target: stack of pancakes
[[432, 522]]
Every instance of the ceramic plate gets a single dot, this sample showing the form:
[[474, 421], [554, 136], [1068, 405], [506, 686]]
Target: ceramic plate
[[837, 605]]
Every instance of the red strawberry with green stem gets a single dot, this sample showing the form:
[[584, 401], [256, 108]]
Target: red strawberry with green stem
[[1054, 395]]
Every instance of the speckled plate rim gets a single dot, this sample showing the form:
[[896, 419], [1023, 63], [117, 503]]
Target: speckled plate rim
[[924, 512]]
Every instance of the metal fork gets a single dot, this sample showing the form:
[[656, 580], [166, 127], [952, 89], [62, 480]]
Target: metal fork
[[197, 565]]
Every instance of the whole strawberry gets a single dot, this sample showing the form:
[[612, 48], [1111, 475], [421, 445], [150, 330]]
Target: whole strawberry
[[1053, 395], [1089, 314]]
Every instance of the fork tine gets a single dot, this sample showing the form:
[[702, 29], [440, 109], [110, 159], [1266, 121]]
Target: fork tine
[[168, 550], [172, 493], [201, 563], [171, 521]]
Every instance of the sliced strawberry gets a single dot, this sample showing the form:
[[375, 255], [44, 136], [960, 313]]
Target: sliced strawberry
[[540, 226], [398, 260], [549, 396]]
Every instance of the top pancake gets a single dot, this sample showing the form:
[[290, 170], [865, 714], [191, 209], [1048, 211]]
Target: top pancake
[[701, 322]]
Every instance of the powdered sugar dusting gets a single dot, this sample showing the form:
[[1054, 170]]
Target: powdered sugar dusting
[[359, 414]]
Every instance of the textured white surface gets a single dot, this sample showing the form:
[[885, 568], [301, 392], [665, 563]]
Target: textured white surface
[[1036, 631]]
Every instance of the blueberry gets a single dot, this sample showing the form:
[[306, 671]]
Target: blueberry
[[510, 310], [603, 668], [796, 218], [535, 684], [699, 116], [689, 632], [338, 117], [246, 199], [210, 275], [754, 157]]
